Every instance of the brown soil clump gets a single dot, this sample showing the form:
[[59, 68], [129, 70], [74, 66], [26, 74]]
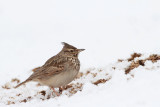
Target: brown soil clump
[[15, 80], [6, 86], [43, 92], [134, 65], [10, 102], [154, 58], [133, 56], [100, 81]]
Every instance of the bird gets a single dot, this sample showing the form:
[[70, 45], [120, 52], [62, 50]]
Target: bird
[[59, 70]]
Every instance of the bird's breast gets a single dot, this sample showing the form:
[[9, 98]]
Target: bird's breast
[[72, 63]]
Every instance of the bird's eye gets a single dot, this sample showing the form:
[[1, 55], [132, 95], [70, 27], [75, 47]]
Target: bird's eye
[[71, 50]]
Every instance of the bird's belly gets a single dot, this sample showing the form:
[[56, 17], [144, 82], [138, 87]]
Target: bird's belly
[[61, 79]]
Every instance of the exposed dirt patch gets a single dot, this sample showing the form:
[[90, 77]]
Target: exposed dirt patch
[[15, 80], [43, 92], [120, 60], [134, 64], [18, 94], [10, 102], [101, 81], [74, 88], [133, 56], [23, 101], [6, 86], [26, 99], [153, 58]]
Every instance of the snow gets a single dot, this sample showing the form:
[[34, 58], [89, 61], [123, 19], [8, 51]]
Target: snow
[[31, 32]]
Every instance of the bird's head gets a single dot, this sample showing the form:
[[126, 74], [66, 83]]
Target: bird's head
[[70, 51]]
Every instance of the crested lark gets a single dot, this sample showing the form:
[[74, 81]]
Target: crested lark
[[59, 70]]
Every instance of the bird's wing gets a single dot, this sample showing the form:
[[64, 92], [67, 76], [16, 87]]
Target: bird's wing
[[50, 60], [52, 70], [52, 67], [46, 72]]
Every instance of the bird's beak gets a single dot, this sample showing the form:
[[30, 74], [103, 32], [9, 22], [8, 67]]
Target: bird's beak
[[80, 50]]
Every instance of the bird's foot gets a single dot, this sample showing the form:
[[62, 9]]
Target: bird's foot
[[54, 91]]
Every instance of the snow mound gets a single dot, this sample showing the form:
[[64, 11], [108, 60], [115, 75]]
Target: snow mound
[[130, 82]]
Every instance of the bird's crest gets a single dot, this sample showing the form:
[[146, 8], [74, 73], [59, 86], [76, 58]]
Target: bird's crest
[[66, 45]]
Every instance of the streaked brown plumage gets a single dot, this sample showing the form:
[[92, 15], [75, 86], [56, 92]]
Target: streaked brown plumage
[[59, 70]]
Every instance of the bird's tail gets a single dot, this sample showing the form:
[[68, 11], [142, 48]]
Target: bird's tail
[[22, 83]]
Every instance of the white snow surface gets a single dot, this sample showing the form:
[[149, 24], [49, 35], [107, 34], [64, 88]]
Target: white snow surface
[[31, 32]]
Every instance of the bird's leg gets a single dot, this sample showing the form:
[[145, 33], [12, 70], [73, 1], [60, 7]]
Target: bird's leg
[[60, 90], [65, 87], [55, 91]]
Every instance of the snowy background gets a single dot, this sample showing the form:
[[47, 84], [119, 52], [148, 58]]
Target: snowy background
[[31, 31]]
